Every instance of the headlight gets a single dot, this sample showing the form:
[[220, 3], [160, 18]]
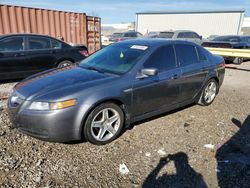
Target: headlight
[[39, 106], [45, 106]]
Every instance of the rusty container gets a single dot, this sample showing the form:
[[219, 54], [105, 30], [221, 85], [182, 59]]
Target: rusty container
[[74, 28]]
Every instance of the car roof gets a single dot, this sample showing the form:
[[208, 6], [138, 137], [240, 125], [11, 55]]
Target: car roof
[[177, 31], [25, 34], [31, 34], [155, 42], [130, 32], [230, 36]]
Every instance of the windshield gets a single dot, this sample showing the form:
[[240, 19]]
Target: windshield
[[116, 59]]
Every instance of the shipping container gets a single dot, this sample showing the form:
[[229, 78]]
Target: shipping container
[[74, 28]]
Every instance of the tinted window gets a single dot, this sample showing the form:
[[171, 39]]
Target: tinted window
[[188, 35], [167, 35], [130, 35], [193, 35], [182, 35], [36, 43], [55, 44], [12, 44], [163, 59], [201, 54], [117, 58], [186, 54]]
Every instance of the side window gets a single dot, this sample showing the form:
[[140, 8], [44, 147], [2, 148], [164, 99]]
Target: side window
[[193, 36], [38, 43], [12, 44], [163, 59], [186, 54], [182, 35], [127, 35], [56, 45], [201, 54], [130, 34]]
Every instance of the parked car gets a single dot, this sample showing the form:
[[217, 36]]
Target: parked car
[[22, 55], [114, 37], [178, 34], [211, 37], [125, 36], [230, 41], [118, 85]]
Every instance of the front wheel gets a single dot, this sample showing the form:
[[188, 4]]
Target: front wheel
[[65, 63], [104, 124], [209, 93]]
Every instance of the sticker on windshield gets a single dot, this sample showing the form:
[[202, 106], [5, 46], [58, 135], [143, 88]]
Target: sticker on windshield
[[139, 47]]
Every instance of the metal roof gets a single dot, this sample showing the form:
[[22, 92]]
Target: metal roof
[[193, 11]]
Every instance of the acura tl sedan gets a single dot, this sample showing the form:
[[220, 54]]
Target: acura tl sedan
[[119, 85]]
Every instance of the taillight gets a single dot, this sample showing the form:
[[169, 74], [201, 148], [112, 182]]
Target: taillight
[[84, 53], [222, 65]]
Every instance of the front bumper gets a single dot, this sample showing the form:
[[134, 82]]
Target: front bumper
[[54, 126]]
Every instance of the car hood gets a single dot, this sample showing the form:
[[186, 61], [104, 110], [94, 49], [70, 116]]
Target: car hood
[[59, 79]]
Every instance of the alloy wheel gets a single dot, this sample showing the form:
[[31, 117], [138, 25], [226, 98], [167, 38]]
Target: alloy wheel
[[210, 92], [105, 124]]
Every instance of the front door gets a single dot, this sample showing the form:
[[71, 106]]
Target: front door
[[13, 58], [154, 92]]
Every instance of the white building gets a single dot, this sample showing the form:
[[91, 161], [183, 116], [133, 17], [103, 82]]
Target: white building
[[205, 23], [246, 26]]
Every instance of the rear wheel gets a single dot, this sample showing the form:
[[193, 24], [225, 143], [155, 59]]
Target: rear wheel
[[65, 63], [238, 60], [104, 124], [209, 93]]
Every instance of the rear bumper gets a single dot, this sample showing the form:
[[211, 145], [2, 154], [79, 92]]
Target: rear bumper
[[54, 126]]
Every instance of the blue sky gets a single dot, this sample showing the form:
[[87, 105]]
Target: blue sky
[[117, 11]]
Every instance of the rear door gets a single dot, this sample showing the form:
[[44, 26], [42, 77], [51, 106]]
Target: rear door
[[152, 93], [193, 70], [40, 53], [13, 58]]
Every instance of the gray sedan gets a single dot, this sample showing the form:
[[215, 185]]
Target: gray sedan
[[113, 88]]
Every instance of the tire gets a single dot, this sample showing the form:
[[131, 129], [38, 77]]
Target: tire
[[238, 60], [209, 93], [65, 63], [104, 124]]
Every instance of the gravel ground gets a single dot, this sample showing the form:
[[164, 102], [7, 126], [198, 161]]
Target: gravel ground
[[165, 151]]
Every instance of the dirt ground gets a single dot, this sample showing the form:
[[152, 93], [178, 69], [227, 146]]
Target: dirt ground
[[165, 151]]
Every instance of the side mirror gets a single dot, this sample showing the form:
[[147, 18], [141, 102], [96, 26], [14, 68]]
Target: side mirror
[[200, 37], [144, 73]]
